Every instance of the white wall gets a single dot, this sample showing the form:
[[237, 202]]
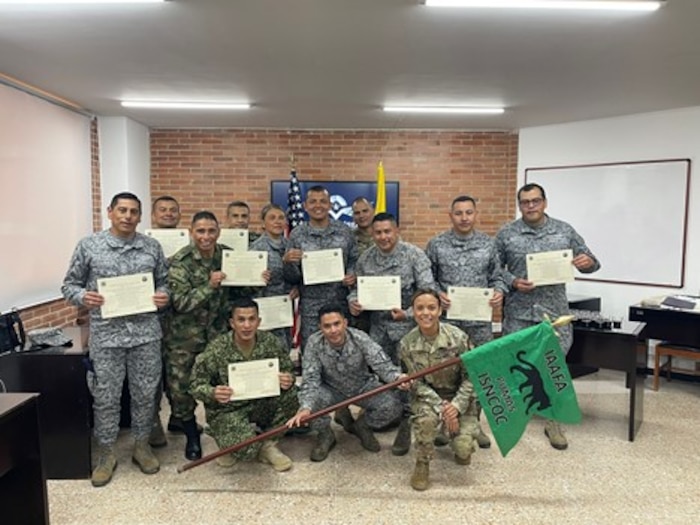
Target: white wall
[[648, 136], [125, 163]]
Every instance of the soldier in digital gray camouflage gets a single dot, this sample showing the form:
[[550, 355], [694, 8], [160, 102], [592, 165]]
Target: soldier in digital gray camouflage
[[320, 233], [526, 303], [275, 244], [392, 257], [231, 422], [120, 346], [339, 363], [444, 398], [463, 256], [198, 315]]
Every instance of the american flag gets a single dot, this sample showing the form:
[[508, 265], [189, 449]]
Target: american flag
[[295, 209], [295, 216]]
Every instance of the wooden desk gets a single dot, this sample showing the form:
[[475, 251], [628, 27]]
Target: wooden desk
[[623, 349], [23, 497], [64, 406]]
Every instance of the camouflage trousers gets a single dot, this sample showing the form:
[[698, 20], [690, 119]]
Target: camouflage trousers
[[565, 333], [232, 427], [425, 423], [142, 367], [178, 367], [381, 411], [479, 333]]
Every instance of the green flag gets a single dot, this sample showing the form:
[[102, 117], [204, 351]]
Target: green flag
[[519, 375]]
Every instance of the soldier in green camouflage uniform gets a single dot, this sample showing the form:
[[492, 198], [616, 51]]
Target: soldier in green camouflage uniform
[[445, 396], [231, 422], [362, 214], [199, 314]]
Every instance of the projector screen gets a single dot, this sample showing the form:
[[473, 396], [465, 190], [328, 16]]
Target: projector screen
[[46, 193]]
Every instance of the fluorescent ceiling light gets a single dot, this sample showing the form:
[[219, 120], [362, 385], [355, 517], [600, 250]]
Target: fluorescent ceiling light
[[445, 109], [155, 104], [600, 5], [30, 2]]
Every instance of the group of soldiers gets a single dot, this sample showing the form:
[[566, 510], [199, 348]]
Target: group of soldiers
[[204, 327]]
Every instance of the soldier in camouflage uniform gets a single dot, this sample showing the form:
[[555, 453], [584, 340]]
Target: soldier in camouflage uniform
[[320, 233], [445, 397], [526, 303], [274, 243], [391, 256], [128, 345], [362, 214], [463, 256], [238, 217], [231, 422], [199, 314], [339, 363]]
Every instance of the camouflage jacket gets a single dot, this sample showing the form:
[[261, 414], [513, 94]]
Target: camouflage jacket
[[517, 239], [347, 369], [211, 368], [105, 255], [275, 251], [199, 312], [412, 265], [416, 353], [308, 239], [363, 241]]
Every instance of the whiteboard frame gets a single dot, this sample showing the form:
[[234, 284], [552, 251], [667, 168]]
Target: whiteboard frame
[[532, 174]]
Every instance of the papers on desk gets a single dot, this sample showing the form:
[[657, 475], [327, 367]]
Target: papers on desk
[[254, 379], [323, 266], [243, 268], [553, 267], [275, 312], [379, 292], [470, 304], [170, 239], [126, 295], [234, 238]]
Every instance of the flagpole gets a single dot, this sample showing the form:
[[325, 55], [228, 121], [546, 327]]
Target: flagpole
[[560, 321]]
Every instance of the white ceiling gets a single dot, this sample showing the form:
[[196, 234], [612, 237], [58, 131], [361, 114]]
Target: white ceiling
[[308, 64]]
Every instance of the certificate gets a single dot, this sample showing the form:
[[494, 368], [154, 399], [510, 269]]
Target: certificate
[[469, 304], [254, 379], [234, 238], [126, 295], [275, 312], [170, 239], [243, 268], [323, 266], [379, 292], [550, 267]]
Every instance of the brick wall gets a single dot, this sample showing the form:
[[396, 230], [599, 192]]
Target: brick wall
[[207, 168], [60, 313]]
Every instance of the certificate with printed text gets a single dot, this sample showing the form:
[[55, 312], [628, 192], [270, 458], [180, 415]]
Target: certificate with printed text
[[254, 379], [170, 239], [234, 238], [323, 266], [243, 268], [469, 304], [375, 292], [126, 295], [275, 312], [550, 267]]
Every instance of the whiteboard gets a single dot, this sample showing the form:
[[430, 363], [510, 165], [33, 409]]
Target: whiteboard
[[633, 216]]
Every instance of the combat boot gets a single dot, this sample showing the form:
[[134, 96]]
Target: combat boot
[[556, 436], [482, 439], [193, 446], [325, 441], [344, 418], [106, 465], [175, 425], [402, 441], [365, 434], [270, 454], [226, 460], [441, 439], [144, 458], [420, 479], [157, 438]]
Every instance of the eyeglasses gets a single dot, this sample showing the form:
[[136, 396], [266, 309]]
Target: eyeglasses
[[526, 203]]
